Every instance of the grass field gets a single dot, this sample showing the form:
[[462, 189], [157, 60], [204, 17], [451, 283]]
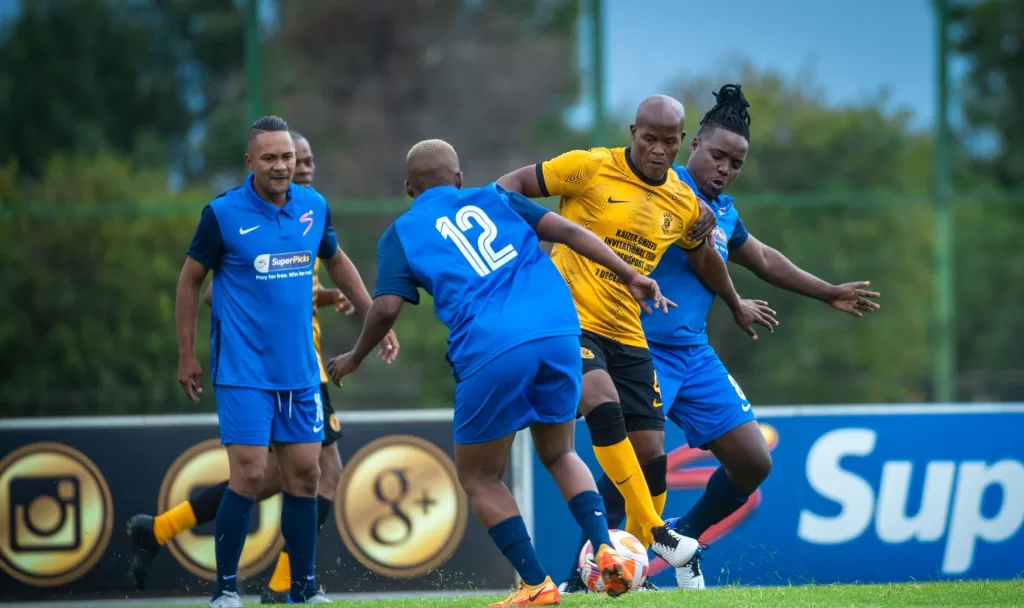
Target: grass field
[[1002, 593]]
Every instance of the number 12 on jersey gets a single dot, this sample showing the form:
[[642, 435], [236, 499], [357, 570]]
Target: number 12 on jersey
[[483, 258]]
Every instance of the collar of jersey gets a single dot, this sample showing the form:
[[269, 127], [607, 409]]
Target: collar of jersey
[[430, 193], [268, 209], [640, 176], [720, 202]]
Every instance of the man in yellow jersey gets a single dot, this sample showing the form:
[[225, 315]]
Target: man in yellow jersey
[[631, 199], [148, 533]]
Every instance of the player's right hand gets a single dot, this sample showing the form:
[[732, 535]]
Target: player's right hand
[[190, 376], [388, 350], [755, 312], [645, 288]]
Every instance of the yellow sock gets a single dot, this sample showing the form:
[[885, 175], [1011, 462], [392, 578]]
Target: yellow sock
[[620, 463], [171, 523], [281, 579], [632, 520]]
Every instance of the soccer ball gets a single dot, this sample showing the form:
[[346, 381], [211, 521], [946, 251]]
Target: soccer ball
[[634, 559]]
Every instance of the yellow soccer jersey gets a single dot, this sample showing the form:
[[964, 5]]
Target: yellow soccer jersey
[[638, 218], [316, 323]]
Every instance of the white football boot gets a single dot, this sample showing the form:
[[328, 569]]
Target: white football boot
[[673, 547], [227, 599], [689, 577]]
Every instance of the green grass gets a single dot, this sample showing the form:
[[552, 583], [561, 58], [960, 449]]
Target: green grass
[[984, 593]]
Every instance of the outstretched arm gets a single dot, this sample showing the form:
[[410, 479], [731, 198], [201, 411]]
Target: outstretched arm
[[772, 266]]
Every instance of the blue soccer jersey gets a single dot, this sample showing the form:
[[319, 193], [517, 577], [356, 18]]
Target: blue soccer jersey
[[262, 257], [475, 251], [686, 325]]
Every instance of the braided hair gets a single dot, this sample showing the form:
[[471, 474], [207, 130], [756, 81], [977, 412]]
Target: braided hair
[[729, 113]]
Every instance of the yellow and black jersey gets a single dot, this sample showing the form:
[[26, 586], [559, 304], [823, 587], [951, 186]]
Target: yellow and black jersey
[[638, 218], [316, 323]]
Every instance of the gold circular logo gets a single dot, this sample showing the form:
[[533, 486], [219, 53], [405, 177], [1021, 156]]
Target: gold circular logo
[[400, 508], [206, 464], [335, 423], [57, 514]]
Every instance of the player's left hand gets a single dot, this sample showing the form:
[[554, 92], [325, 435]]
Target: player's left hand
[[389, 347], [852, 298], [645, 288], [341, 366], [342, 304], [704, 227]]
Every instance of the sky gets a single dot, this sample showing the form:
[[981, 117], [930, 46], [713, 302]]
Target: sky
[[852, 48]]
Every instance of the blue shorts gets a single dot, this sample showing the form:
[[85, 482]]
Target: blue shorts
[[538, 382], [252, 416], [699, 394]]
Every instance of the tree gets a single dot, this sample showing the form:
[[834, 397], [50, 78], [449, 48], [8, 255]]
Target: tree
[[123, 76], [989, 34]]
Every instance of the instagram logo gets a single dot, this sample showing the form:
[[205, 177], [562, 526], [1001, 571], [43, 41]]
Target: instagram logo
[[57, 513]]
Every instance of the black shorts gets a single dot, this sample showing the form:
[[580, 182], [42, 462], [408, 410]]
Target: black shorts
[[332, 424], [632, 371]]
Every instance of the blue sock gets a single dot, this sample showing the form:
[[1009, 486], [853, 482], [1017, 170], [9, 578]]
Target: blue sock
[[514, 542], [721, 499], [229, 530], [588, 510], [614, 512], [299, 528]]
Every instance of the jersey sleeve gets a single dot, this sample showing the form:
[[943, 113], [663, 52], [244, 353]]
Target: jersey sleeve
[[692, 214], [329, 242], [739, 235], [394, 275], [207, 246], [568, 174], [530, 211]]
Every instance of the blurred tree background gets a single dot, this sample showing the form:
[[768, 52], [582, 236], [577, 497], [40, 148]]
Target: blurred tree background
[[122, 118]]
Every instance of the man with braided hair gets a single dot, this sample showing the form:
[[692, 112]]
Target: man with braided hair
[[699, 394]]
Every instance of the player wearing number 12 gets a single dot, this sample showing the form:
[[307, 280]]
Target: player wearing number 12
[[476, 251]]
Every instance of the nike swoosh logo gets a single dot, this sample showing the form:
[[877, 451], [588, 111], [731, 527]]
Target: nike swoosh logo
[[247, 230], [612, 200], [533, 598], [619, 483], [745, 408], [316, 429]]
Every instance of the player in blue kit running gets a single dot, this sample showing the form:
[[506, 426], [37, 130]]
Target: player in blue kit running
[[514, 344], [700, 395], [261, 239]]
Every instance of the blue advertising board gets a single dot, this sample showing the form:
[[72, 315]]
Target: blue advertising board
[[856, 493]]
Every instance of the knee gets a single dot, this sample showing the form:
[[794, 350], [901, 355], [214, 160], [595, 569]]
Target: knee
[[752, 471], [302, 478], [330, 471], [606, 424], [550, 458], [648, 450], [248, 478], [478, 480]]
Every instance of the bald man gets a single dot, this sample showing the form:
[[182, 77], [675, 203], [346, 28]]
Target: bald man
[[629, 198], [476, 252]]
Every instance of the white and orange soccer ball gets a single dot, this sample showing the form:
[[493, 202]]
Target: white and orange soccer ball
[[634, 559]]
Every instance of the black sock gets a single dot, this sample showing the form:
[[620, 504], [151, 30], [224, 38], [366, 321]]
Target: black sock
[[206, 502]]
